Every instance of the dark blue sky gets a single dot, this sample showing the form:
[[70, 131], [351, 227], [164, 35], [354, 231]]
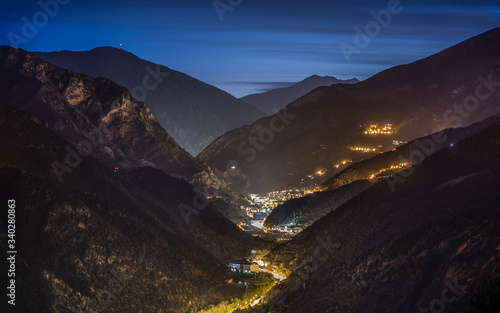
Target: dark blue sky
[[259, 44]]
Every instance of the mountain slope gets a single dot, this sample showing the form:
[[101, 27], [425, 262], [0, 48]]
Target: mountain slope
[[30, 145], [396, 251], [305, 211], [277, 99], [113, 126], [101, 235], [388, 163], [192, 112], [357, 177], [319, 130]]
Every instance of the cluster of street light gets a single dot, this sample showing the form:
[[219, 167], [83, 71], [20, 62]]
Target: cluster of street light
[[376, 129], [393, 167]]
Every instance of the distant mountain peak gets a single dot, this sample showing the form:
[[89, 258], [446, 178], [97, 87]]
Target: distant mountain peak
[[109, 49], [319, 76], [280, 97]]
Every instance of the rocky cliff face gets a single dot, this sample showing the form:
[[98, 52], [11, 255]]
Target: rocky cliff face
[[113, 126], [192, 112]]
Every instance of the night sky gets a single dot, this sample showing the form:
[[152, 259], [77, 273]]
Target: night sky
[[257, 44]]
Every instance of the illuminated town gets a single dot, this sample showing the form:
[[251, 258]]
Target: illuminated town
[[376, 129], [251, 269], [263, 204]]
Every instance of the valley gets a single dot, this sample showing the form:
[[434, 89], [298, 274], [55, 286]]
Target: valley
[[139, 188]]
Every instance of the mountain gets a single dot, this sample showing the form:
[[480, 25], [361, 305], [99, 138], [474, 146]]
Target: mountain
[[456, 87], [102, 119], [390, 162], [358, 177], [303, 212], [277, 99], [192, 112], [430, 243], [103, 240], [97, 115]]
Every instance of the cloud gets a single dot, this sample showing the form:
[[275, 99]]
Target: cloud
[[259, 41]]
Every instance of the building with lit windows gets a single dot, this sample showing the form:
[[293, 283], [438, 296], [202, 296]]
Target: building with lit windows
[[244, 266]]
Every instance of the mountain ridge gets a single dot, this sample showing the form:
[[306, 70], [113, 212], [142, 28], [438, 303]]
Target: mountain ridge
[[276, 99], [394, 251], [98, 227], [192, 112], [80, 107], [329, 121]]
